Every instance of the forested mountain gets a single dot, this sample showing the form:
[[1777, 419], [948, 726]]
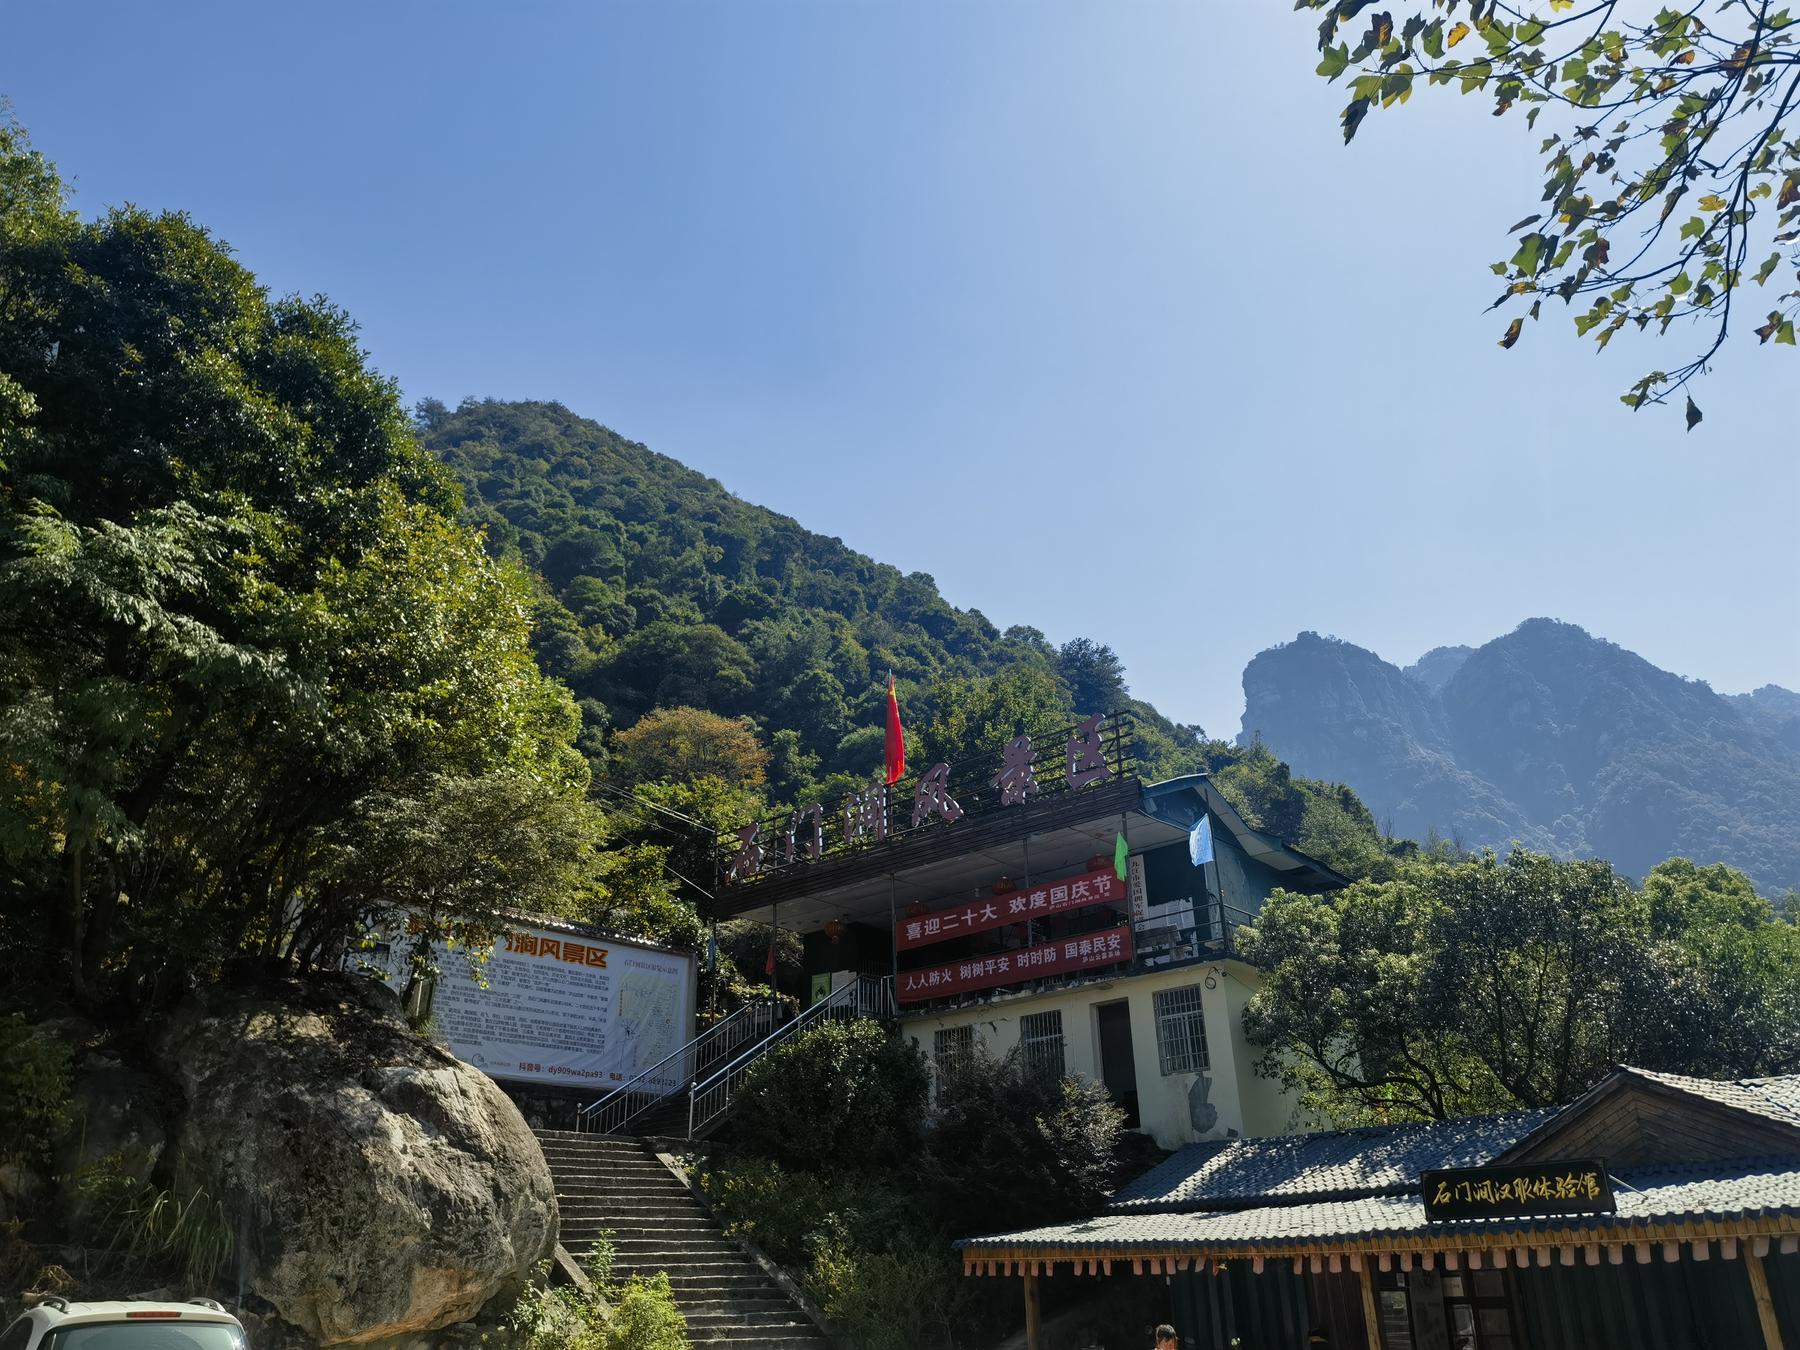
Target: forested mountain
[[1548, 736], [661, 590]]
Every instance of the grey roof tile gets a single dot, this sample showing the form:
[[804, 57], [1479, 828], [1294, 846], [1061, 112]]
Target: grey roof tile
[[1238, 1173], [1715, 1191], [1775, 1099]]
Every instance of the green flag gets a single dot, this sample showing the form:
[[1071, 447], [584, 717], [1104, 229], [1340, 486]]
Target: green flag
[[1120, 854]]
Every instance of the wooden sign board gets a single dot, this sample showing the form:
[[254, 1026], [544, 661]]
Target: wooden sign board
[[1525, 1190]]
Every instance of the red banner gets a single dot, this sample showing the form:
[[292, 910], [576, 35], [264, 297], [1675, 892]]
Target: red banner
[[1109, 946], [996, 911]]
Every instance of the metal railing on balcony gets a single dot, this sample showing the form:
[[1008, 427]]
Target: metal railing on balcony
[[1207, 931], [676, 1072], [711, 1098]]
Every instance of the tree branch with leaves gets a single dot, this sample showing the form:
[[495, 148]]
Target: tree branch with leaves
[[1671, 167]]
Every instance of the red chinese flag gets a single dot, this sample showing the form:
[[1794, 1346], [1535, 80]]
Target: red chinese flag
[[896, 741]]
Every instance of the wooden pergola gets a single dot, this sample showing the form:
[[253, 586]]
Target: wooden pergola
[[1699, 1172], [1696, 1240]]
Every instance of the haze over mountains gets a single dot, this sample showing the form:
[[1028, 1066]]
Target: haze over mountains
[[1548, 736]]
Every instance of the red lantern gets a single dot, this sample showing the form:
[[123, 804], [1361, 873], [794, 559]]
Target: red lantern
[[834, 929], [1003, 886], [918, 909], [1097, 862]]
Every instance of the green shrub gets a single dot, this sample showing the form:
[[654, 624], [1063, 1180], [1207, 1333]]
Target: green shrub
[[553, 1319], [792, 1214], [35, 1075], [911, 1295], [645, 1317], [843, 1095], [639, 1315], [1011, 1147]]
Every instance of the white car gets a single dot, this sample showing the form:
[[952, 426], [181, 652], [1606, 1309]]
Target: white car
[[56, 1324]]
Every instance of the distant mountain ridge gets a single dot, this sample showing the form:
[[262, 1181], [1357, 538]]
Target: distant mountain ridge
[[1548, 735]]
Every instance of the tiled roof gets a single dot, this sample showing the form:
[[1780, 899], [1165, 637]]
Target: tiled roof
[[1775, 1099], [1239, 1173], [1705, 1191]]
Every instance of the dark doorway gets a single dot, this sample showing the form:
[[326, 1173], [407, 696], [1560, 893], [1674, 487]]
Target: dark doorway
[[1118, 1069]]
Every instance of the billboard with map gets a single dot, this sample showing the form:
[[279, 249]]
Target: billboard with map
[[556, 1007]]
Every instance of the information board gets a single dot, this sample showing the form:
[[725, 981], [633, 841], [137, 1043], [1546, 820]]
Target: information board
[[554, 1007]]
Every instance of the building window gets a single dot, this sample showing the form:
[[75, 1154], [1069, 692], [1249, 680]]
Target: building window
[[953, 1050], [1041, 1042], [1180, 1030]]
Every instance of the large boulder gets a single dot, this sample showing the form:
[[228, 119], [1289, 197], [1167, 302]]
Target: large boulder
[[380, 1186]]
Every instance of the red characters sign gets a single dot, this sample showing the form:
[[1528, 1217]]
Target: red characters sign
[[1108, 947], [1091, 888]]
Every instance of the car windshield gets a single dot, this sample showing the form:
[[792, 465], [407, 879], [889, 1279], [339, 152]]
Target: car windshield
[[147, 1334]]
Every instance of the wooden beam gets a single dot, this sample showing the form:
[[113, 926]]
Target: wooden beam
[[1765, 1305], [1371, 1320], [1033, 1333]]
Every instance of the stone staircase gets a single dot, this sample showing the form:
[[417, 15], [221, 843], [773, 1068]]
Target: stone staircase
[[607, 1183]]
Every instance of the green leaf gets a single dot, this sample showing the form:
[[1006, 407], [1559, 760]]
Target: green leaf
[[1770, 264], [1694, 228], [1785, 334], [1433, 39], [1681, 284], [1530, 254], [1335, 61]]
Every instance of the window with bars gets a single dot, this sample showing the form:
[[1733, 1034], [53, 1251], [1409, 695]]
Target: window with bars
[[1041, 1042], [1180, 1030], [953, 1051]]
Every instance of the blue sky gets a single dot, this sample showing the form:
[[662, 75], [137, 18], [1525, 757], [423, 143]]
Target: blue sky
[[1084, 309]]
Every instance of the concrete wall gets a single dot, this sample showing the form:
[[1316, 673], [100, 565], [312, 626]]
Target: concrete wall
[[1179, 1108]]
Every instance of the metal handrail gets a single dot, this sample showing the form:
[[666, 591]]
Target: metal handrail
[[616, 1109], [865, 996]]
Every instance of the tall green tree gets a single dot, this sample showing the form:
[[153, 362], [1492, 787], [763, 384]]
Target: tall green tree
[[1479, 984], [252, 666], [1671, 147]]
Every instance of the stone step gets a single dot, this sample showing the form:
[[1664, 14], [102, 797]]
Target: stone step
[[714, 1308], [638, 1213], [770, 1299], [644, 1251], [655, 1225], [683, 1277], [588, 1171], [638, 1252], [638, 1210], [593, 1157], [638, 1196], [628, 1236], [792, 1324]]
